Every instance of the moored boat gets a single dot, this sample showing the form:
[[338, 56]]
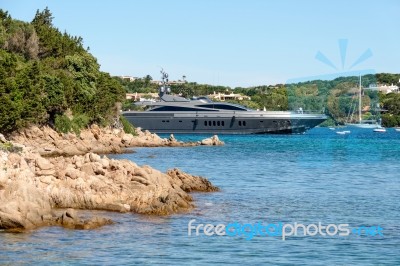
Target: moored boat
[[175, 114], [380, 129]]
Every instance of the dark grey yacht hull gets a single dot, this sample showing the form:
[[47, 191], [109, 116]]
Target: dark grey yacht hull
[[256, 122]]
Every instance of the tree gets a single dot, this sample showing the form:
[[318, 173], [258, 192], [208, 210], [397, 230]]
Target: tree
[[147, 80], [43, 18], [44, 73]]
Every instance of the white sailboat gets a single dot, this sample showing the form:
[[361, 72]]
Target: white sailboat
[[362, 123], [380, 129]]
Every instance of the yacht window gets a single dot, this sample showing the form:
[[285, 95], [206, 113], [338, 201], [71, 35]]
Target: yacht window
[[176, 108], [209, 123], [224, 107], [205, 123], [214, 123], [240, 123], [218, 123], [223, 123], [244, 123]]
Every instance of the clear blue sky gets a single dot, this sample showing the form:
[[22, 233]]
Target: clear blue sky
[[228, 42]]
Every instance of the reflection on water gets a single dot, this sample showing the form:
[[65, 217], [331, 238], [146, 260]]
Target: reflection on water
[[319, 176]]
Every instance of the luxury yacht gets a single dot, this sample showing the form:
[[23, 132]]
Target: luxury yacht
[[175, 114]]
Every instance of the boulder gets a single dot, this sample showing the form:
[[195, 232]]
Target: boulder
[[213, 141], [172, 138], [98, 168], [105, 163], [2, 138], [94, 157], [72, 173], [87, 168], [93, 223], [47, 179], [43, 164], [127, 138], [49, 172], [22, 206]]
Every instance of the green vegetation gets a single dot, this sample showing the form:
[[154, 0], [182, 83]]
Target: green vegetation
[[64, 124], [48, 77], [140, 85], [337, 98], [391, 102], [9, 147], [128, 128], [45, 73]]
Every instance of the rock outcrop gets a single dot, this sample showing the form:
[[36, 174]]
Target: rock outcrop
[[32, 186], [48, 142], [213, 141]]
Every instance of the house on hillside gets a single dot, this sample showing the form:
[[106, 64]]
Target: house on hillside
[[224, 97]]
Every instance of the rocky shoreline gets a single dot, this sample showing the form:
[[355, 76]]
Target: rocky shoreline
[[47, 142], [51, 171]]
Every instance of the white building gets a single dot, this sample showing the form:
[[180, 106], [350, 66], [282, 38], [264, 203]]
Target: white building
[[384, 88], [142, 96], [128, 78], [232, 96]]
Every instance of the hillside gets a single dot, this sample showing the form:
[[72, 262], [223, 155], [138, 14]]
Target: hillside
[[48, 77], [338, 98]]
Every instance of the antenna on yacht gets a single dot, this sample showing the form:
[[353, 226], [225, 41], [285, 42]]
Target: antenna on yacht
[[164, 88]]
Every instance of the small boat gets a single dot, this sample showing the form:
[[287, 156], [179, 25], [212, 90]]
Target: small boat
[[362, 123], [332, 128], [380, 129], [397, 129], [343, 132]]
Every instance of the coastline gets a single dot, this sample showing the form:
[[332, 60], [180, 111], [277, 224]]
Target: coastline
[[48, 171], [47, 142]]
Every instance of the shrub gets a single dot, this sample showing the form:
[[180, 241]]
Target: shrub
[[127, 126], [62, 123], [78, 122], [8, 146]]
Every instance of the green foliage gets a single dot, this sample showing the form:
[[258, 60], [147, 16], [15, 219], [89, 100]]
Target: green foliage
[[328, 122], [8, 146], [79, 122], [127, 126], [44, 72], [62, 123], [390, 120], [391, 103], [387, 78]]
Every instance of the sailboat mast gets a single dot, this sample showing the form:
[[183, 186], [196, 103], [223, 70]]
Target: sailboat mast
[[359, 103]]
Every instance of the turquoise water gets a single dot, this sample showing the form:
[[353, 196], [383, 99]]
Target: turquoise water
[[316, 177]]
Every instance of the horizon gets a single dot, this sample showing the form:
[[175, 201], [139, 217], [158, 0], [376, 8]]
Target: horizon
[[230, 43], [328, 77]]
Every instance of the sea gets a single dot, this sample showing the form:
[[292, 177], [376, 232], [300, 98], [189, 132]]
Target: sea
[[319, 198]]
